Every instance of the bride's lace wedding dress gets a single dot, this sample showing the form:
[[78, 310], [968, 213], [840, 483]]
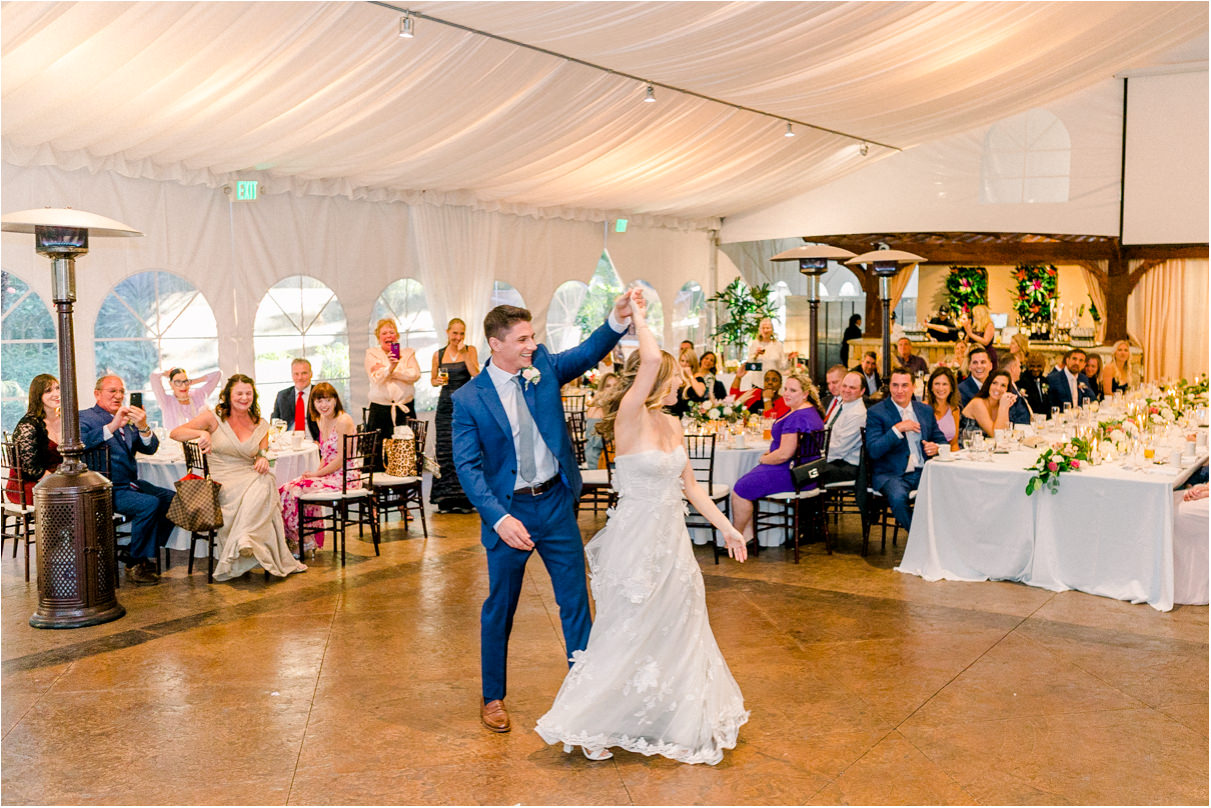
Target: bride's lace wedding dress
[[652, 679]]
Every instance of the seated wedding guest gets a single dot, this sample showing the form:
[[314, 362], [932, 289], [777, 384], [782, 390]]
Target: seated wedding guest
[[454, 364], [852, 331], [1032, 385], [326, 410], [941, 327], [1190, 556], [870, 374], [989, 408], [1116, 376], [110, 422], [291, 404], [393, 372], [37, 437], [1020, 412], [763, 401], [980, 365], [846, 415], [594, 443], [901, 435], [772, 473], [235, 437], [1019, 346], [832, 379], [686, 345], [909, 360], [1069, 385], [942, 396], [766, 350], [694, 389], [185, 398], [709, 371], [1093, 370], [957, 361], [979, 330]]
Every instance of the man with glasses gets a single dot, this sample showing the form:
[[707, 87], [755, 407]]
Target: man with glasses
[[123, 428]]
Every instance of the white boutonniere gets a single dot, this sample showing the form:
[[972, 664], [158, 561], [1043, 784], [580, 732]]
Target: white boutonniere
[[530, 375]]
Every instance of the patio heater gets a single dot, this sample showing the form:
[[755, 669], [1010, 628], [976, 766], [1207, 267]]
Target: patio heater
[[77, 573], [885, 264], [813, 262]]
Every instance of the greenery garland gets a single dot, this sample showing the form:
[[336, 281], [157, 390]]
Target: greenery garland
[[1036, 289], [966, 288]]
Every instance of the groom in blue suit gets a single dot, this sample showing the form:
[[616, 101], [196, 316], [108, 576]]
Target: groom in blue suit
[[901, 435], [514, 459]]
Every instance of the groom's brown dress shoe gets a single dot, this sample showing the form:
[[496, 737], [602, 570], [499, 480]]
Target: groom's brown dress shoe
[[495, 716]]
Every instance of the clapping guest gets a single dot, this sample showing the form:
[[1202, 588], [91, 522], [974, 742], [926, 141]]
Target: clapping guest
[[186, 397], [594, 443], [772, 474], [291, 404], [942, 395], [326, 410], [1116, 376], [764, 400], [37, 437], [990, 407], [123, 429], [693, 390], [453, 366], [901, 436], [708, 369], [236, 437], [393, 372], [1093, 369]]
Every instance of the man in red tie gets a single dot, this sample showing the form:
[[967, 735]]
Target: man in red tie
[[291, 403]]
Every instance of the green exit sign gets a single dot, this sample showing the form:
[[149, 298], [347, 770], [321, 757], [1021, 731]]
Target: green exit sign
[[620, 225], [245, 189]]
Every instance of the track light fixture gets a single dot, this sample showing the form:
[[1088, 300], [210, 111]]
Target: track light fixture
[[864, 149], [650, 96], [789, 131], [406, 24]]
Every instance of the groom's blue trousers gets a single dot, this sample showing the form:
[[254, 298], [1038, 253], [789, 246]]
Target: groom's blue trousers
[[551, 520]]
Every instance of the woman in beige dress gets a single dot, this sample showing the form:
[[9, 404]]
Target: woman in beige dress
[[236, 437]]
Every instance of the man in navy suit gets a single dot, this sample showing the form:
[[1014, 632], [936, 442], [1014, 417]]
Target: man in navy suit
[[1069, 385], [287, 404], [980, 365], [123, 428], [901, 435], [1020, 412], [515, 462]]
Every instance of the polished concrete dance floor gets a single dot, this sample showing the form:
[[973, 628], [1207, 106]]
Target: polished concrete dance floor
[[360, 685]]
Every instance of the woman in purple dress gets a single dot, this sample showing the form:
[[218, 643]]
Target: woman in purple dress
[[772, 474]]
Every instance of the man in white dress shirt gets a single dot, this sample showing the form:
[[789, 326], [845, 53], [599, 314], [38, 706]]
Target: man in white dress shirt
[[845, 417]]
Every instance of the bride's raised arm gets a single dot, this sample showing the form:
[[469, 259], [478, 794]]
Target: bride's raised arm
[[631, 407]]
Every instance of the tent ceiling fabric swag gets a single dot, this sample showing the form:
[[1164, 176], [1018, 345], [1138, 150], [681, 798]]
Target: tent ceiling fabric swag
[[326, 99]]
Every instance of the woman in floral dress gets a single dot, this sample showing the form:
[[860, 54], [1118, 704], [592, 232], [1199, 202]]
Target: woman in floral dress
[[324, 407]]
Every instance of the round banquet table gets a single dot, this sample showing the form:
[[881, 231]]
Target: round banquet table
[[167, 466], [730, 465]]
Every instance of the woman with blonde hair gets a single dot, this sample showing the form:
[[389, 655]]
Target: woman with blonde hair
[[453, 366], [766, 350], [651, 622], [1116, 376], [980, 330], [1019, 346], [393, 372]]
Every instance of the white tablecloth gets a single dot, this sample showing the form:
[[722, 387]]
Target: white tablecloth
[[1107, 531], [730, 465], [167, 466]]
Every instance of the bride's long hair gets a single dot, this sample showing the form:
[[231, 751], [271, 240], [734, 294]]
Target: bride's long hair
[[670, 371]]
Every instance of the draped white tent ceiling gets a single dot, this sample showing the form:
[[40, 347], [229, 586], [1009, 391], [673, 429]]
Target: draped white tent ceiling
[[325, 98]]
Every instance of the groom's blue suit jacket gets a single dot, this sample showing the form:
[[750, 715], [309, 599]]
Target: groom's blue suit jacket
[[483, 439]]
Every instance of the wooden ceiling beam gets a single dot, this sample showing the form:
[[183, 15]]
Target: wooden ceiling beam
[[966, 252]]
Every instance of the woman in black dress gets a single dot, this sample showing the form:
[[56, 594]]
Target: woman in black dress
[[853, 331], [453, 366]]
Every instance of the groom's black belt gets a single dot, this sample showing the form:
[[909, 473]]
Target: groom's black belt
[[541, 488]]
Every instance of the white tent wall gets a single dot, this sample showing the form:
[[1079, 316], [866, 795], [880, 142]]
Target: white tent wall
[[234, 252], [936, 186]]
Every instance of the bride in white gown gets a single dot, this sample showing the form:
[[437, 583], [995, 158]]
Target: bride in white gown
[[652, 679]]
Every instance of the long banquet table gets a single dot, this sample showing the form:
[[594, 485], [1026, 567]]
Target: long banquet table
[[1107, 531]]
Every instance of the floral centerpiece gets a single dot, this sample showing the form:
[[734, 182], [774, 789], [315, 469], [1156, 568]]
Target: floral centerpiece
[[1035, 292], [727, 411], [966, 288], [1056, 460]]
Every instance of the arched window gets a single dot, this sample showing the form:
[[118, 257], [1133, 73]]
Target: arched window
[[301, 317], [404, 301], [27, 345], [562, 330], [153, 321], [505, 295], [604, 287], [688, 312], [1026, 158], [778, 295]]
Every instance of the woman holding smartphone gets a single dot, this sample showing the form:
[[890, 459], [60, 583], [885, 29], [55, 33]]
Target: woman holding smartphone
[[393, 372]]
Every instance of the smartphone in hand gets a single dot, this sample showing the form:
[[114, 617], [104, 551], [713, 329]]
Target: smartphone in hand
[[395, 350], [136, 400]]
